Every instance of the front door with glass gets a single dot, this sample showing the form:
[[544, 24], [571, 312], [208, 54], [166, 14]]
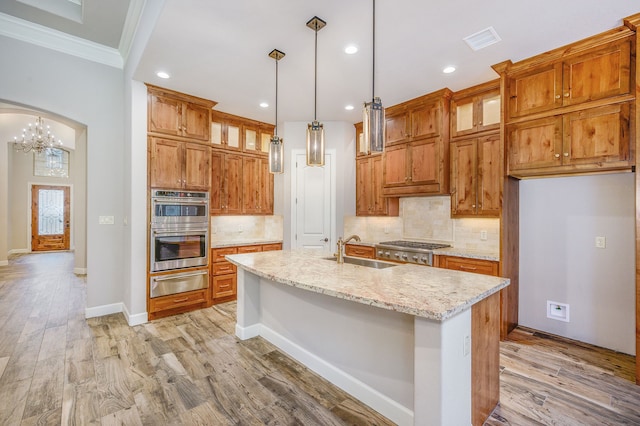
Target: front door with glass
[[50, 217]]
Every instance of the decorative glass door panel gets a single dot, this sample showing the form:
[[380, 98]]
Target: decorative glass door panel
[[49, 217]]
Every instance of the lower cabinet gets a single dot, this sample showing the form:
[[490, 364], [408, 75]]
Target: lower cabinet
[[355, 250], [466, 264], [223, 285]]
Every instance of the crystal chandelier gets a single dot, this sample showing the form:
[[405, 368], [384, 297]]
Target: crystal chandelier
[[37, 137]]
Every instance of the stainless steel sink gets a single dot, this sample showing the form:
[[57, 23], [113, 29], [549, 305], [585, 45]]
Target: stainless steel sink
[[369, 263]]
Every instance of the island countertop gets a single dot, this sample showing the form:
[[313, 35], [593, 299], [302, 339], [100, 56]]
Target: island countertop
[[423, 291]]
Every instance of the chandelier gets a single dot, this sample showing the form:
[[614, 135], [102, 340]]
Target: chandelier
[[37, 137]]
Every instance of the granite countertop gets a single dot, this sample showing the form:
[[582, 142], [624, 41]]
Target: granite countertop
[[471, 254], [238, 243], [427, 292]]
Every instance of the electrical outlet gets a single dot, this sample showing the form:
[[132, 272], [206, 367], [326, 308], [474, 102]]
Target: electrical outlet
[[467, 346], [558, 311], [106, 220], [483, 235], [601, 242], [240, 228]]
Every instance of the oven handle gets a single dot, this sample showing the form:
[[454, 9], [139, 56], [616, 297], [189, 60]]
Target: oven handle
[[179, 201], [174, 276], [179, 232]]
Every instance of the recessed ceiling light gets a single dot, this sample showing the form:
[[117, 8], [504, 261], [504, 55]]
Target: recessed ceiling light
[[351, 49], [263, 105], [349, 107], [448, 70], [162, 74]]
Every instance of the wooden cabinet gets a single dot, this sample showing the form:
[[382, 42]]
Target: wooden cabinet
[[256, 138], [226, 183], [257, 186], [177, 114], [175, 164], [476, 112], [598, 73], [466, 264], [582, 141], [416, 158], [355, 250], [225, 131], [177, 303], [475, 177], [223, 286]]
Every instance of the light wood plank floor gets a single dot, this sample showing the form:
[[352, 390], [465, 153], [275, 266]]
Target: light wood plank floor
[[58, 368]]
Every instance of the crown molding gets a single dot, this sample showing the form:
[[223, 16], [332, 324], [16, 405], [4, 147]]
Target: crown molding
[[130, 26], [29, 32]]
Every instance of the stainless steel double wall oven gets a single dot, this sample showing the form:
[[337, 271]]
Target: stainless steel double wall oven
[[179, 236]]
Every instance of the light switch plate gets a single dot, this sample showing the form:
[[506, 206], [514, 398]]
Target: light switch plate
[[106, 220], [601, 242], [483, 235]]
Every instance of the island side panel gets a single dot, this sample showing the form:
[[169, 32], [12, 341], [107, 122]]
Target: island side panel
[[248, 307], [443, 371]]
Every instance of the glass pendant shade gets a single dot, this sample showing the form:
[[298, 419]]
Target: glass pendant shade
[[373, 126], [315, 144], [276, 155]]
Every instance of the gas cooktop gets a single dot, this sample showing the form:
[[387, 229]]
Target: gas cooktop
[[408, 251], [414, 244]]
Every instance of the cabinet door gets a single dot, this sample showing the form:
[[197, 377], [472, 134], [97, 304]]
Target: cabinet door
[[489, 177], [216, 193], [224, 286], [266, 133], [250, 185], [250, 142], [396, 127], [232, 136], [166, 164], [535, 144], [378, 202], [395, 166], [464, 163], [598, 136], [197, 167], [233, 183], [363, 181], [165, 115], [463, 116], [425, 120], [217, 133], [266, 196], [597, 75], [535, 91], [488, 111], [195, 121], [425, 162]]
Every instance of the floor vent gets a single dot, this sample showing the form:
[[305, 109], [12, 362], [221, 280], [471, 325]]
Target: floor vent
[[482, 38]]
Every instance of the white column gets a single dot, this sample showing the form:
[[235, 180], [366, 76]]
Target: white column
[[248, 307], [442, 371]]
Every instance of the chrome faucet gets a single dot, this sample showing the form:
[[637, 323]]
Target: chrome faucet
[[341, 243]]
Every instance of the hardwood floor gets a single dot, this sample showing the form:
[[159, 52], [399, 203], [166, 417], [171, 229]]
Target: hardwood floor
[[58, 368]]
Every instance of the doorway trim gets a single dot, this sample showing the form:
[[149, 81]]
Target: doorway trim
[[294, 186], [30, 186]]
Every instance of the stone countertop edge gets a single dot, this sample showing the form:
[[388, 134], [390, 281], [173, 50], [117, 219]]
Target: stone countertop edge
[[470, 254], [425, 293], [221, 244]]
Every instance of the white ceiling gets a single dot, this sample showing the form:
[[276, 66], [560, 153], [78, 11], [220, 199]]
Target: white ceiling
[[219, 49]]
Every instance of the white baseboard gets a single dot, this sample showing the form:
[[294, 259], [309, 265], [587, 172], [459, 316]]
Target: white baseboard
[[80, 271], [245, 333], [19, 251], [135, 319], [389, 408], [100, 311]]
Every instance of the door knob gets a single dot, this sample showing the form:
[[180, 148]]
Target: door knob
[[325, 240]]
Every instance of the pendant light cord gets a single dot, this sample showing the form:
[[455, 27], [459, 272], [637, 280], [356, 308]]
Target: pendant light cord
[[373, 79], [276, 129], [315, 79]]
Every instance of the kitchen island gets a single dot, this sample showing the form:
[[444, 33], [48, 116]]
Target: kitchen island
[[401, 339]]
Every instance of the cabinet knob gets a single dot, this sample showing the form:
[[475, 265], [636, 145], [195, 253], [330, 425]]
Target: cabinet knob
[[474, 124], [480, 123], [557, 96], [557, 155], [473, 205], [566, 154], [566, 95]]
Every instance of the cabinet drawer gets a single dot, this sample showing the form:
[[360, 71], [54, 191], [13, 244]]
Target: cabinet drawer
[[249, 249], [272, 247], [222, 268], [478, 266], [224, 286], [360, 251], [178, 300], [218, 254]]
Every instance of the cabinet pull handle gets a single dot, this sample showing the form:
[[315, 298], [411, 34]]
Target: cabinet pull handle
[[181, 300], [557, 96], [566, 95], [468, 268], [557, 155], [566, 154]]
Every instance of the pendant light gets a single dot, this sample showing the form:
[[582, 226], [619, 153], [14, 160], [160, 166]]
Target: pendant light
[[315, 130], [373, 122], [276, 145]]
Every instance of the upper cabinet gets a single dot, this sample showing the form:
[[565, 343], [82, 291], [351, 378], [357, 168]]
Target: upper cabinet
[[256, 137], [175, 114], [225, 131], [416, 160], [568, 110], [178, 165], [476, 110], [599, 73]]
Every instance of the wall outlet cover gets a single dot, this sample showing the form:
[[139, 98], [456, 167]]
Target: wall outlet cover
[[558, 311]]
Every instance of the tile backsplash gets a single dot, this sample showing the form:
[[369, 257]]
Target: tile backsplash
[[243, 228], [428, 219]]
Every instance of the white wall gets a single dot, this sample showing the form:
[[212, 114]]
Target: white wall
[[559, 220], [339, 136], [91, 94]]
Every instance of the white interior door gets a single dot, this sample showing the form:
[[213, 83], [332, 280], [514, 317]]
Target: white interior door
[[313, 203]]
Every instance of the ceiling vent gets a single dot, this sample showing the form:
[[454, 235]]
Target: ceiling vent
[[482, 39]]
